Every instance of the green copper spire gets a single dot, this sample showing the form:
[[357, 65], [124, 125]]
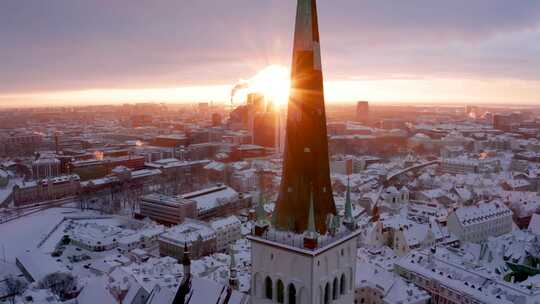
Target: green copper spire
[[233, 261], [311, 219], [261, 214], [348, 203]]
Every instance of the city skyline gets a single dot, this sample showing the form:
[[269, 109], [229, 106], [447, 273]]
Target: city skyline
[[389, 164], [79, 54]]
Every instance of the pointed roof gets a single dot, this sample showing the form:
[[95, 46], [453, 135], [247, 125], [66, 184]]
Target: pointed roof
[[306, 166], [186, 260], [232, 265], [260, 212], [311, 218], [348, 202]]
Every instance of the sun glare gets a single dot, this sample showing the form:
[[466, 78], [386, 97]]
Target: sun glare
[[274, 82]]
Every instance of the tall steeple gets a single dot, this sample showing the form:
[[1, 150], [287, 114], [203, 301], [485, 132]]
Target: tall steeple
[[233, 279], [186, 261], [349, 220], [286, 269], [306, 163]]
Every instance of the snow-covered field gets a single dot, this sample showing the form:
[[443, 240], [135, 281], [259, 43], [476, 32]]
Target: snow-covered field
[[25, 233]]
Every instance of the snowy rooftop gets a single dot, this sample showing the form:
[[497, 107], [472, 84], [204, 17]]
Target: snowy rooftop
[[210, 198], [295, 242], [224, 222], [482, 212], [39, 265], [467, 276], [176, 200], [188, 232]]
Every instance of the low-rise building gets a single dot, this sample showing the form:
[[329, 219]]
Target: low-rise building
[[466, 165], [197, 236], [449, 276], [477, 223], [228, 231], [44, 190], [45, 167], [218, 201], [167, 210], [375, 285]]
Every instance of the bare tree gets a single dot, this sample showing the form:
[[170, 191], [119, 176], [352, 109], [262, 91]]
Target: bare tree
[[62, 284], [14, 287]]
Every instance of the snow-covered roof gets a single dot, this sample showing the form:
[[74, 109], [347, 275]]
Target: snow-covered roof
[[481, 212], [210, 198], [203, 291], [38, 265], [224, 222], [101, 289], [188, 232]]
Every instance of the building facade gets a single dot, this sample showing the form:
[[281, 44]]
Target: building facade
[[477, 223], [168, 210]]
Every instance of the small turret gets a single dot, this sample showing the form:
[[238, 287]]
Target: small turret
[[349, 219], [262, 219], [186, 261], [233, 279], [310, 236]]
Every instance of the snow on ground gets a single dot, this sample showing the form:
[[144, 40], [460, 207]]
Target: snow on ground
[[27, 232]]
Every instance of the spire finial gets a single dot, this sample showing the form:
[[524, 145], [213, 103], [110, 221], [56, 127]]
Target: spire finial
[[260, 212], [311, 219], [186, 259], [233, 261], [348, 203], [233, 280]]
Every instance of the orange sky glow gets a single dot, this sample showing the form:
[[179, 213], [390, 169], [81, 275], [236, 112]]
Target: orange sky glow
[[273, 81]]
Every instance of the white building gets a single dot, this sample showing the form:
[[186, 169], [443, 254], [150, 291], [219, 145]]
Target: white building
[[394, 198], [117, 287], [449, 278], [477, 223], [217, 201], [170, 210], [463, 165], [284, 271], [198, 236], [146, 238], [228, 231], [375, 285]]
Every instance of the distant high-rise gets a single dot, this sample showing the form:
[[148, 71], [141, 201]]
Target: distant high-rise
[[362, 112], [265, 128], [216, 119], [256, 100], [306, 169]]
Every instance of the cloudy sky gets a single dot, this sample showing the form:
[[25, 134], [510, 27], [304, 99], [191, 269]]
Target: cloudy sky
[[83, 51]]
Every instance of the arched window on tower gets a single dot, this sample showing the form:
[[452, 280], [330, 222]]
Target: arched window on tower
[[342, 284], [335, 289], [327, 293], [280, 292], [268, 288], [292, 294]]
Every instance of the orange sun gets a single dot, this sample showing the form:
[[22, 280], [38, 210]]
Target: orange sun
[[274, 82]]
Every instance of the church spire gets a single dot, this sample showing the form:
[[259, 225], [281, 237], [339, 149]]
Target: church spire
[[233, 279], [260, 212], [186, 261], [310, 235], [311, 230], [349, 219], [306, 166]]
